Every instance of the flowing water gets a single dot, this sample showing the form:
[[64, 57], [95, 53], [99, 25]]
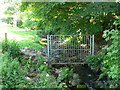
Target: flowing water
[[87, 76]]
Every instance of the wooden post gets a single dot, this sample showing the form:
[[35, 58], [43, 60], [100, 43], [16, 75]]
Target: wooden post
[[6, 37], [6, 42]]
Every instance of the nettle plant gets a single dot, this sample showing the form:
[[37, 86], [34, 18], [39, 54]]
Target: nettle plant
[[12, 75], [12, 48], [110, 63]]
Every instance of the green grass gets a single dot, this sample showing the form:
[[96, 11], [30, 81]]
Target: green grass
[[23, 37], [30, 39], [24, 33], [28, 43]]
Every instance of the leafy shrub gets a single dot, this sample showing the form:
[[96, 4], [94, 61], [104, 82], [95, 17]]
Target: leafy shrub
[[94, 62], [36, 39], [64, 73], [12, 48], [110, 64], [40, 66], [108, 59], [43, 32], [31, 24], [48, 80], [13, 76]]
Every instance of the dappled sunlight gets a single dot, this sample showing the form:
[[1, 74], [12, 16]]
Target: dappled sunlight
[[5, 28], [15, 37]]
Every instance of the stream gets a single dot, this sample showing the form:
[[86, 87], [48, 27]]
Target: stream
[[87, 76]]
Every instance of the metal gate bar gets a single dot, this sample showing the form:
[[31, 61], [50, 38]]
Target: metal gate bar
[[63, 49]]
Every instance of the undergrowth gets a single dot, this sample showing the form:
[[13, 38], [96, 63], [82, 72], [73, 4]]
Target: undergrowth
[[13, 76], [108, 60], [12, 48], [14, 70]]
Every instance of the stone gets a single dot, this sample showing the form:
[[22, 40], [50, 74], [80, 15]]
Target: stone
[[89, 75], [30, 51], [28, 78], [44, 50], [31, 69], [57, 71], [75, 82], [75, 76]]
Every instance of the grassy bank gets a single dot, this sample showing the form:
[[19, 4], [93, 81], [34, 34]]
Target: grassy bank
[[30, 39]]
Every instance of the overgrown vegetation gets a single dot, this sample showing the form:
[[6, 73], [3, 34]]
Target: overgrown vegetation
[[12, 48], [100, 19], [108, 60], [13, 76], [14, 72], [73, 17]]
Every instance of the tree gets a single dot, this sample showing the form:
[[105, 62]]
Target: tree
[[73, 17]]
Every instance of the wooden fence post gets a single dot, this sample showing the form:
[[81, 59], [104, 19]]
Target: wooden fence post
[[6, 37]]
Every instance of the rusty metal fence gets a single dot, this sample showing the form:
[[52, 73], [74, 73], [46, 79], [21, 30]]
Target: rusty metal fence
[[69, 49]]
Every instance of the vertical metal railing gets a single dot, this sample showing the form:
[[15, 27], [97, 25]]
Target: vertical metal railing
[[48, 47], [92, 45], [71, 51]]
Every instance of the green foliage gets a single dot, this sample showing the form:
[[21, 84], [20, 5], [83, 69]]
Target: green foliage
[[19, 23], [43, 33], [47, 80], [36, 39], [31, 24], [12, 48], [108, 60], [72, 17], [64, 74], [30, 39], [94, 61], [8, 20], [13, 76], [10, 10], [110, 64], [41, 66]]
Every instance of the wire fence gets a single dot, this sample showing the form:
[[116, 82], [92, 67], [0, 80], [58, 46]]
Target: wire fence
[[69, 49]]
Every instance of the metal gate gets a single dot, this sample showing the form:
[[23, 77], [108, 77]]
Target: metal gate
[[69, 49]]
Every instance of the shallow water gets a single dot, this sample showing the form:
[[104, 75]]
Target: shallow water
[[87, 76]]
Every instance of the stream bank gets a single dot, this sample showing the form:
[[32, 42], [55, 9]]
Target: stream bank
[[88, 78], [82, 76]]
